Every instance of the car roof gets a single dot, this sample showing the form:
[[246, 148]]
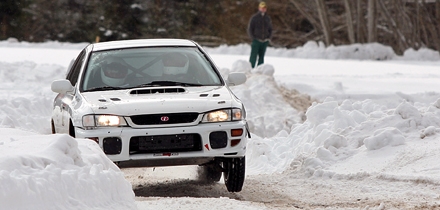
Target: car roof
[[142, 43]]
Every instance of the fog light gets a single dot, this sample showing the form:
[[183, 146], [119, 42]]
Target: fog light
[[234, 142], [112, 145], [218, 139], [236, 132]]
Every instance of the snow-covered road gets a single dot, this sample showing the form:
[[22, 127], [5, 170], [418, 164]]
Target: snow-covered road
[[370, 139]]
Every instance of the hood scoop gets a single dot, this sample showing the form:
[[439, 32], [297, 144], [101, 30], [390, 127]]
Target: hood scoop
[[113, 99], [157, 90]]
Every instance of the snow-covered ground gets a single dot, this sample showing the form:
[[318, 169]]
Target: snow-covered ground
[[349, 127]]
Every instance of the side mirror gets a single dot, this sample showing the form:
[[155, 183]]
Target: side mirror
[[236, 79], [61, 86]]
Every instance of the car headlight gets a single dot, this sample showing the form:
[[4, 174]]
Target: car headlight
[[103, 121], [223, 115]]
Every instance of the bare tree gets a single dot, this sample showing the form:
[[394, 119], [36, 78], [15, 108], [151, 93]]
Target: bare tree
[[360, 24], [372, 33], [437, 15], [398, 35], [325, 23], [401, 24], [309, 16], [349, 17]]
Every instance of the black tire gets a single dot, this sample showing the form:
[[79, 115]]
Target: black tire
[[53, 127], [210, 173], [234, 173], [71, 130]]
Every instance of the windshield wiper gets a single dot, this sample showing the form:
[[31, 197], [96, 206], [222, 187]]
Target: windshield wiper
[[167, 83], [189, 84], [104, 88]]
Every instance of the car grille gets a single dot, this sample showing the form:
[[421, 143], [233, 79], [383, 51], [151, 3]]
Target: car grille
[[165, 143], [161, 119]]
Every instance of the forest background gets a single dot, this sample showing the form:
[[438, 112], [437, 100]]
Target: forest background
[[401, 24]]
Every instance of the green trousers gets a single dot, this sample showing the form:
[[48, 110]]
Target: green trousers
[[258, 49]]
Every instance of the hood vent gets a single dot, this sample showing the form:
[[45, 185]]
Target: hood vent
[[157, 90]]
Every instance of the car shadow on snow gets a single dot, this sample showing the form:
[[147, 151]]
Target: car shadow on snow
[[253, 191], [175, 181], [184, 188]]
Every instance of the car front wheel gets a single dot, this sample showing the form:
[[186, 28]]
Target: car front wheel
[[53, 127], [71, 130], [234, 173], [211, 172]]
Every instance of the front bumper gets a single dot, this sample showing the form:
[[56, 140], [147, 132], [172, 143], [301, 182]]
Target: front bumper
[[211, 145]]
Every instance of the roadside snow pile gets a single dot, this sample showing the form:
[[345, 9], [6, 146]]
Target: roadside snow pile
[[420, 55], [59, 172], [26, 98], [340, 139], [268, 113], [310, 50], [318, 50], [13, 42]]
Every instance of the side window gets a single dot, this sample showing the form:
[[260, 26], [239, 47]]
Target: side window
[[73, 74]]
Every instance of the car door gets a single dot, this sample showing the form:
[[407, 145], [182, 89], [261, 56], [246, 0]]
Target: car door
[[65, 102]]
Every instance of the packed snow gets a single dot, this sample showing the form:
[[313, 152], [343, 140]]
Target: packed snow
[[345, 117]]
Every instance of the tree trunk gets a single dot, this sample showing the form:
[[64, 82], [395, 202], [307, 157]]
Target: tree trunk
[[429, 24], [4, 27], [399, 38], [417, 24], [437, 15], [372, 32], [360, 22], [349, 17], [406, 22], [325, 23]]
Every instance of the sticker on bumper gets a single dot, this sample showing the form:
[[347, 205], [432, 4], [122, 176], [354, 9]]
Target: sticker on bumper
[[169, 154]]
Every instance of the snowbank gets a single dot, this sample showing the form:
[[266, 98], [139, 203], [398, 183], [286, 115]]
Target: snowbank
[[58, 172], [317, 50], [344, 139]]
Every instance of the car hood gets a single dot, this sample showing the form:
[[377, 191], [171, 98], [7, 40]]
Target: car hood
[[159, 100]]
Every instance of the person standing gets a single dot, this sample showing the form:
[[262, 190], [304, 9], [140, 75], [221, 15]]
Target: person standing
[[260, 31]]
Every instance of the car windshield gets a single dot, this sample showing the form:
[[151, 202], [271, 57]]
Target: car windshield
[[144, 67]]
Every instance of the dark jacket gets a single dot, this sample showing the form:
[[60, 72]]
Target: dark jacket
[[260, 27]]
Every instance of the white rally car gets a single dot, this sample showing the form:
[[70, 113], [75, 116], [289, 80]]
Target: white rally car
[[155, 102]]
